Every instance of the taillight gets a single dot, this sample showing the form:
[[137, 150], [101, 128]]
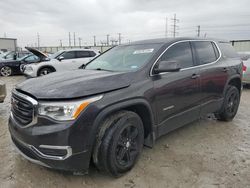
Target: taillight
[[244, 68]]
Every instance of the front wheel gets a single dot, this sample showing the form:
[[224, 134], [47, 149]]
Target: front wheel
[[230, 104], [6, 71], [44, 71], [121, 143]]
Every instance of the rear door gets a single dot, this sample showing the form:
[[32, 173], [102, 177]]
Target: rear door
[[177, 101], [213, 75]]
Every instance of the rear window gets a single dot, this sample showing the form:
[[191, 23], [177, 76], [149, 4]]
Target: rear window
[[227, 50], [206, 52]]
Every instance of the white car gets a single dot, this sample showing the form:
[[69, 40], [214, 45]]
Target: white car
[[60, 61], [245, 56]]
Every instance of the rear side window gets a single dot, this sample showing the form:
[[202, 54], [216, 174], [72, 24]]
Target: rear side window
[[83, 54], [69, 55], [227, 50], [180, 52], [206, 52], [92, 54]]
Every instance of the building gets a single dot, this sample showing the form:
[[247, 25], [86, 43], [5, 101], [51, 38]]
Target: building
[[241, 45], [8, 44]]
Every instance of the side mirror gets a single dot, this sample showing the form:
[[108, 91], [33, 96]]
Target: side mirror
[[60, 58], [167, 66]]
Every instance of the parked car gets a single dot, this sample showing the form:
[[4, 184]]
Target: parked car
[[246, 72], [245, 56], [61, 61], [13, 67], [2, 91], [14, 55], [126, 98]]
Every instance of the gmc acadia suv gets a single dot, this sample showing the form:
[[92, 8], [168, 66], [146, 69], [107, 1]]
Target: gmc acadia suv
[[123, 99]]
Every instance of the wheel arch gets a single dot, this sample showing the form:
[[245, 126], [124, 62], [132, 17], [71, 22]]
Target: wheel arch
[[235, 81], [45, 66], [140, 106]]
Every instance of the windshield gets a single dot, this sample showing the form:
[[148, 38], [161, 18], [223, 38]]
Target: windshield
[[124, 58], [55, 55]]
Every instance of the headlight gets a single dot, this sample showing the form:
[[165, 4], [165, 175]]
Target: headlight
[[64, 111], [28, 68]]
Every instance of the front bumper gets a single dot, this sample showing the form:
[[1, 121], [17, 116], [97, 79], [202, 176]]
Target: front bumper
[[51, 146]]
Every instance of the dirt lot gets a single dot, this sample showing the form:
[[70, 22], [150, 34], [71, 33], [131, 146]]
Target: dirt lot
[[203, 154]]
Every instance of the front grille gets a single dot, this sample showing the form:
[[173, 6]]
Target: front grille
[[22, 109]]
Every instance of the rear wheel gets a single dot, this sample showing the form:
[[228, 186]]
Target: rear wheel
[[6, 71], [121, 143], [45, 71], [230, 104]]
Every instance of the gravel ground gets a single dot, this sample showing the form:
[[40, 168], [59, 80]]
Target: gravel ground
[[207, 153]]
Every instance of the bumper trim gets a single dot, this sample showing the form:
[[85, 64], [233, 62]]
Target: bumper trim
[[49, 157], [28, 158]]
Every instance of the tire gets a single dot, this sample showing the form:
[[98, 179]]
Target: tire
[[45, 71], [6, 71], [230, 104], [121, 143]]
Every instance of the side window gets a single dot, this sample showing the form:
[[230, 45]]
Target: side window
[[31, 58], [69, 55], [205, 51], [180, 52], [92, 54], [82, 54]]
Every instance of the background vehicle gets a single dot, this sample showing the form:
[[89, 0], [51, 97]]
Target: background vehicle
[[13, 67], [128, 96], [2, 91], [61, 61], [15, 55], [246, 68]]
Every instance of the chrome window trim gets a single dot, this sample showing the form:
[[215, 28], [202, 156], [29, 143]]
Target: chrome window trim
[[35, 106], [188, 68]]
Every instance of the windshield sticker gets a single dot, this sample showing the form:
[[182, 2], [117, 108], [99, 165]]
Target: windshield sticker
[[144, 51]]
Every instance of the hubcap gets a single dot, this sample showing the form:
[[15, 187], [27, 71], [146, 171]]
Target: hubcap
[[127, 146], [232, 103], [6, 71]]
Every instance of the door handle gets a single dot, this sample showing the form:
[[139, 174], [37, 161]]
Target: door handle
[[194, 76], [225, 69]]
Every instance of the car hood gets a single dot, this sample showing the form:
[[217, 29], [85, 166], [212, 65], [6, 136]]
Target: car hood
[[74, 84], [37, 53]]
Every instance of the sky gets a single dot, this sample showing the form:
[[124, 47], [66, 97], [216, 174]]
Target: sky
[[134, 19]]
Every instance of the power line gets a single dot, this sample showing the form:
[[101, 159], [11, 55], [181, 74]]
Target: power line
[[69, 39], [175, 27], [38, 40], [74, 39], [198, 30], [80, 40], [166, 28], [120, 38], [107, 39], [94, 40]]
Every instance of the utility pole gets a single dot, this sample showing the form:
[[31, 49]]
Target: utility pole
[[107, 39], [198, 30], [74, 39], [166, 28], [120, 38], [69, 39], [175, 27], [80, 41], [61, 43], [38, 41], [94, 40]]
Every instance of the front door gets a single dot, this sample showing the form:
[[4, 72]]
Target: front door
[[177, 93]]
